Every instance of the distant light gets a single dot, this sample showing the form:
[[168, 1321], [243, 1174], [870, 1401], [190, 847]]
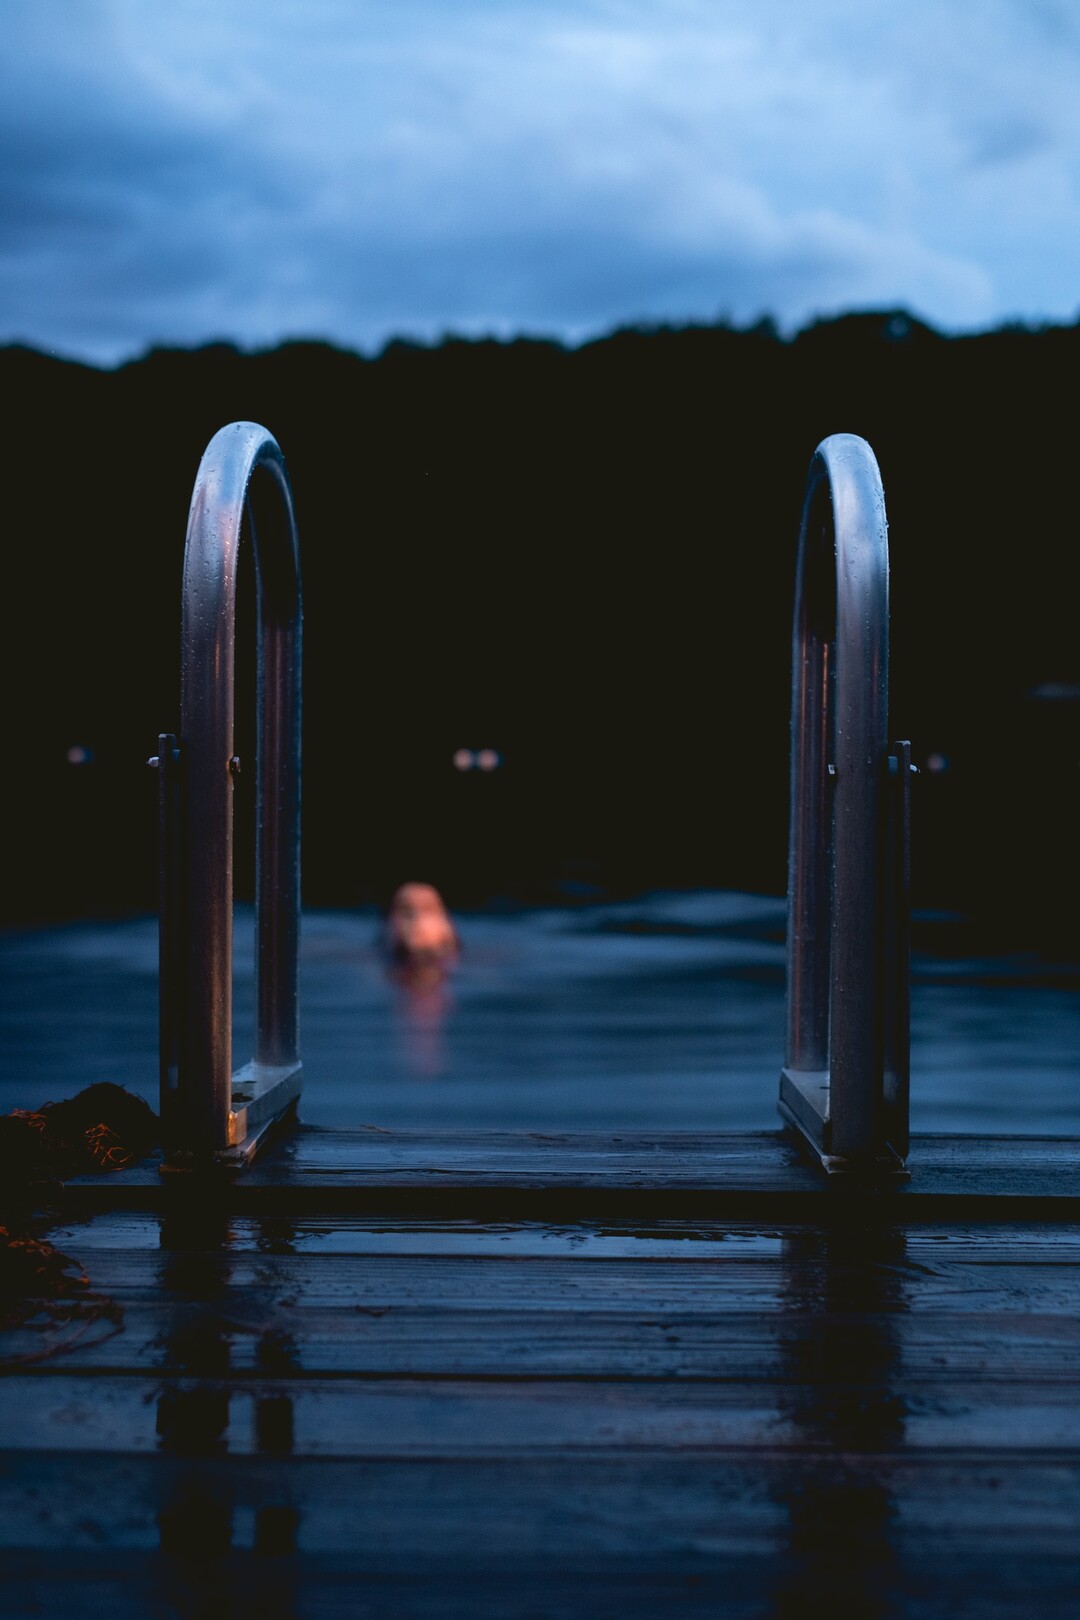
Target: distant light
[[936, 764], [78, 755], [483, 759]]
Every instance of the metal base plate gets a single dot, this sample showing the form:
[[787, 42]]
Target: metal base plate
[[263, 1098], [804, 1105], [260, 1092]]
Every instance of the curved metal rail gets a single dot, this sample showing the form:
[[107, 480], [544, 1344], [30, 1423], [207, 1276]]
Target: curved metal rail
[[209, 1112], [845, 1078]]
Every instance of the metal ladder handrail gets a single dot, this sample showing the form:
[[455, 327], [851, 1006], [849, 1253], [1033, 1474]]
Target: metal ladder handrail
[[208, 1112], [845, 1078]]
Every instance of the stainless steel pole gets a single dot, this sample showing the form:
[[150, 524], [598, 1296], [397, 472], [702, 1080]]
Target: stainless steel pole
[[213, 1111], [832, 1086]]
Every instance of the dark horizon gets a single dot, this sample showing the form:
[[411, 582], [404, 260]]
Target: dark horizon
[[910, 323]]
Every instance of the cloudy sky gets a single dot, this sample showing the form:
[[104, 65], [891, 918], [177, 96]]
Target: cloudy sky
[[173, 171]]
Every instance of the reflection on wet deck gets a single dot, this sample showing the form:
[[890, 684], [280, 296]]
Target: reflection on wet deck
[[426, 1413]]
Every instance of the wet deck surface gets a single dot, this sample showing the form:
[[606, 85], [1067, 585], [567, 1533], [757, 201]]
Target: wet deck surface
[[532, 1376]]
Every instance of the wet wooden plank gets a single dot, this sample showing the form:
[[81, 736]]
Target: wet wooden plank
[[645, 1507], [1005, 1166], [928, 1243], [548, 1175], [307, 1414], [420, 1416], [642, 1534], [383, 1341], [735, 1585], [741, 1533], [797, 1282], [346, 1297]]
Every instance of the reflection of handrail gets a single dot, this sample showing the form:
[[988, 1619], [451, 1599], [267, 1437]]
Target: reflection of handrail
[[207, 1110], [844, 1083]]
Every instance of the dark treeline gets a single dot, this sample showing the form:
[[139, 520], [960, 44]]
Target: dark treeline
[[580, 558]]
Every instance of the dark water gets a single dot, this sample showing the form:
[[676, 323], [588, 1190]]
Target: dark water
[[662, 1012]]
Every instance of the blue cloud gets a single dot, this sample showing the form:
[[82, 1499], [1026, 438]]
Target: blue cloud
[[357, 170]]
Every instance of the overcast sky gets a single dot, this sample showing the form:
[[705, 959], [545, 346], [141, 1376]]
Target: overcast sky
[[173, 171]]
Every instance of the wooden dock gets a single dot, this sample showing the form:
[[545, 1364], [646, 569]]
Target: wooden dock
[[515, 1376]]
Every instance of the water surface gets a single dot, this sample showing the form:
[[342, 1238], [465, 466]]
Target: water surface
[[661, 1012]]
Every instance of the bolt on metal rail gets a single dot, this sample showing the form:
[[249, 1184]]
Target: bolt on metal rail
[[845, 1080], [209, 1113]]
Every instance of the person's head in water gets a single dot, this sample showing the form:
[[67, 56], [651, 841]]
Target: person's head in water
[[418, 926]]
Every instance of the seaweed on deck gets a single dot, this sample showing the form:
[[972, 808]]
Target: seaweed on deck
[[43, 1291], [103, 1127]]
